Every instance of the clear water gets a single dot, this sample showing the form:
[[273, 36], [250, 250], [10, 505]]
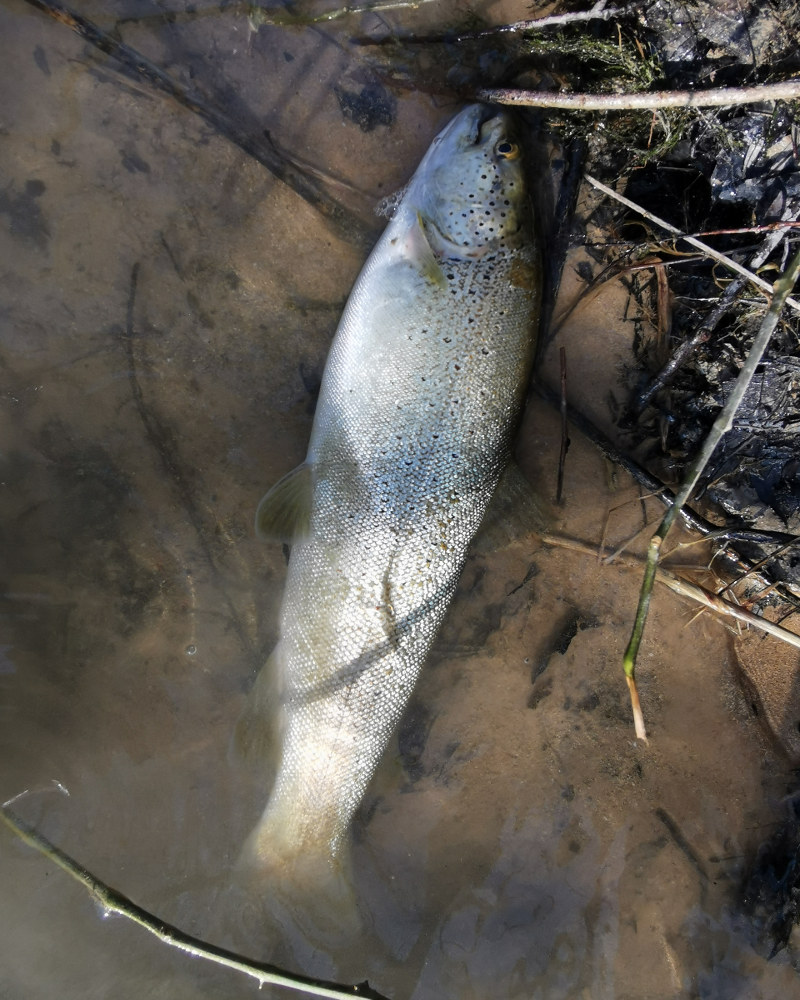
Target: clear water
[[166, 310]]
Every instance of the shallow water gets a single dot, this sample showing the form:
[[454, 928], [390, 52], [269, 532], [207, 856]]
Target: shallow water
[[167, 308]]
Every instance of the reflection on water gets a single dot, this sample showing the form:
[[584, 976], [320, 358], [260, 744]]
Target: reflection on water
[[167, 307]]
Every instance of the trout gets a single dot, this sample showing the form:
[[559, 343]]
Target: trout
[[413, 430]]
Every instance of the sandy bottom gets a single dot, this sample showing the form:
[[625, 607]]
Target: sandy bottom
[[166, 311]]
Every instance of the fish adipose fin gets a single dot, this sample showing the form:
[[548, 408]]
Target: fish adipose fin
[[284, 513]]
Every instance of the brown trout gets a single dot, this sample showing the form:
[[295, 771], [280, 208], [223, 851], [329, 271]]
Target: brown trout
[[413, 430]]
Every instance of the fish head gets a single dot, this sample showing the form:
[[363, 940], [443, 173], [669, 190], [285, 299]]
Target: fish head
[[469, 190]]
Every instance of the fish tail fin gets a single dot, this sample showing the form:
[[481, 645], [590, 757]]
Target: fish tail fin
[[306, 895]]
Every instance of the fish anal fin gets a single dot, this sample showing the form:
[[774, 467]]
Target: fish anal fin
[[514, 511], [259, 729], [284, 513]]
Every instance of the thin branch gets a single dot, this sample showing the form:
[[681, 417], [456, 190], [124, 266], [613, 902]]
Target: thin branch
[[678, 585], [721, 426], [253, 141], [786, 90], [597, 13], [112, 901], [710, 323], [732, 265], [564, 426]]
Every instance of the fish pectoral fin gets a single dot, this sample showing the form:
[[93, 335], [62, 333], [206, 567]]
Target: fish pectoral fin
[[420, 254], [514, 511], [284, 513]]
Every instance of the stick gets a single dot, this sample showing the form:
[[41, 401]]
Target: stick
[[112, 901], [786, 90], [255, 143], [713, 602], [564, 428], [597, 13], [709, 324], [732, 265], [721, 426]]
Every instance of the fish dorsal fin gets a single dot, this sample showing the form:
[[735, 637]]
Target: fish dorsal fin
[[419, 253], [285, 511]]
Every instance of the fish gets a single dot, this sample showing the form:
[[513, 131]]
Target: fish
[[413, 431]]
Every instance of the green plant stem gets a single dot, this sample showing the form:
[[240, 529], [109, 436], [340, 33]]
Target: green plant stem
[[781, 289], [112, 901]]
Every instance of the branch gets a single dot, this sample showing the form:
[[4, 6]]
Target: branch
[[111, 901], [597, 13], [786, 90], [732, 265], [721, 426], [713, 602], [254, 141]]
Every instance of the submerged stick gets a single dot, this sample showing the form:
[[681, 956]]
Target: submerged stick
[[112, 901], [564, 426], [255, 143], [721, 426], [786, 90], [597, 13]]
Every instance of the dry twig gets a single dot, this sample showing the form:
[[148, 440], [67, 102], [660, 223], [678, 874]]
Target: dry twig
[[721, 426], [111, 901], [732, 265], [786, 90], [678, 585]]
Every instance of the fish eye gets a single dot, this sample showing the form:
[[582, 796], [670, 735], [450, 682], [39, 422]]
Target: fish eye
[[506, 150]]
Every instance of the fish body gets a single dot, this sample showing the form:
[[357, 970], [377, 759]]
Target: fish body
[[419, 401]]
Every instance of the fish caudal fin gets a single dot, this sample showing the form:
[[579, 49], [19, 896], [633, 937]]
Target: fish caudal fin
[[305, 894]]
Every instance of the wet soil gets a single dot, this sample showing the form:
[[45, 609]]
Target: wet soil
[[167, 305]]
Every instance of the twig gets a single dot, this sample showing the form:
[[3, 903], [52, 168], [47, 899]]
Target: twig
[[721, 426], [564, 428], [597, 13], [112, 901], [678, 585], [654, 486], [732, 265], [786, 90], [255, 143], [762, 562], [710, 323]]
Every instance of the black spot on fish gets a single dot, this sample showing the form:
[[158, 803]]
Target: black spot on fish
[[373, 105]]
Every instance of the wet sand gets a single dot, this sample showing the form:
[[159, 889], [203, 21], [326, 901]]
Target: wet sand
[[167, 305]]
